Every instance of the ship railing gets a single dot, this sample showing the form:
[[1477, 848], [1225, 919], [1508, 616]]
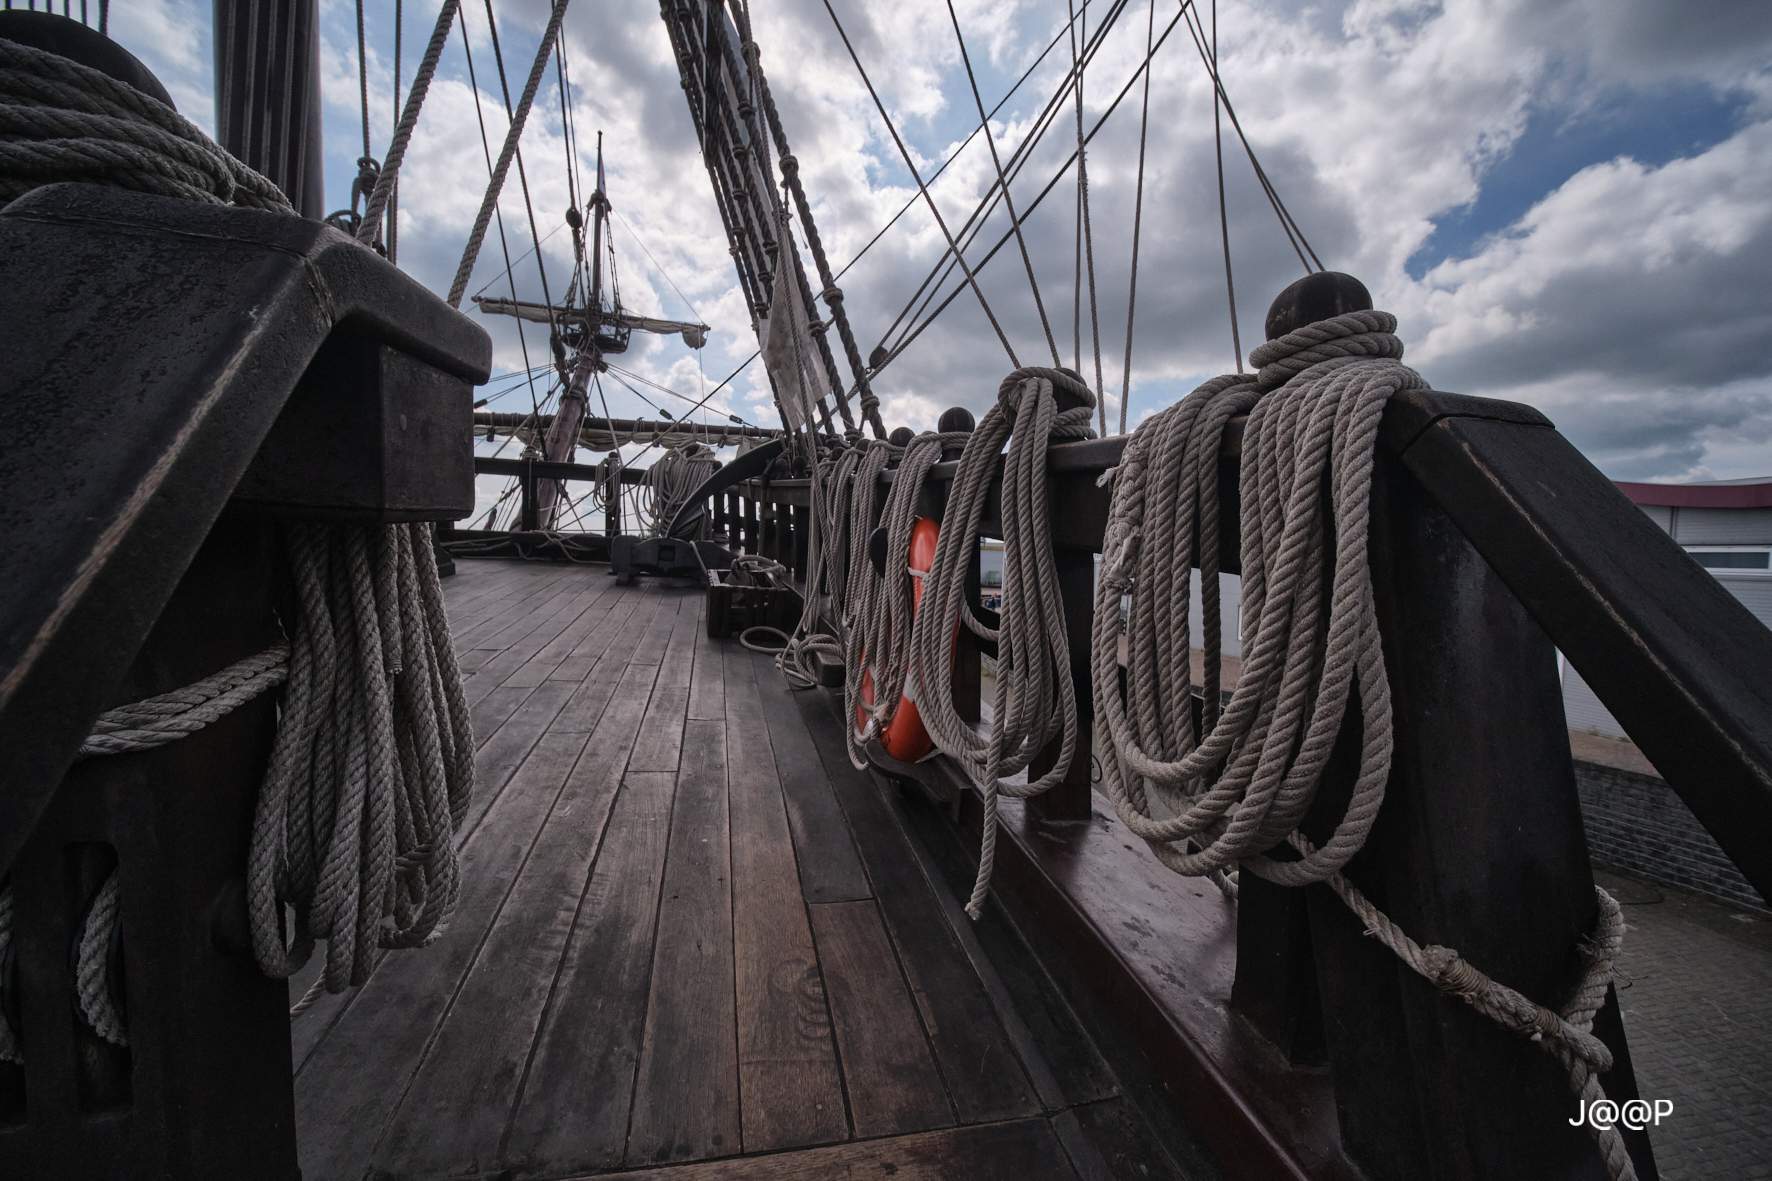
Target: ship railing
[[1495, 545]]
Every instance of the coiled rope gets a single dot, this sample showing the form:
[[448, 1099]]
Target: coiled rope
[[1035, 699], [373, 763], [672, 479], [62, 121], [1242, 786]]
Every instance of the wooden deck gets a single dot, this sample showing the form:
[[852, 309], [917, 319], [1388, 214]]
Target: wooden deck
[[693, 941]]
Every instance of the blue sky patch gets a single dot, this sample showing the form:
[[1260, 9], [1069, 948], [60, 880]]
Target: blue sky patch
[[1652, 128]]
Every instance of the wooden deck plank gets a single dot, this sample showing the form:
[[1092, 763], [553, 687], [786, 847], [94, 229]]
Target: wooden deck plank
[[521, 604], [830, 868], [590, 695], [788, 1076], [599, 598], [573, 1111], [686, 1095], [626, 611], [661, 735], [679, 656], [984, 1075], [650, 645], [888, 1069], [354, 1079], [707, 682], [454, 1115], [504, 750], [563, 612], [1025, 1150]]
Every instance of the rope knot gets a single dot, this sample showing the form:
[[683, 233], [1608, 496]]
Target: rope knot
[[1068, 389], [1355, 334]]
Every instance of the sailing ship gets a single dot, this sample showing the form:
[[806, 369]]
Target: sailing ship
[[604, 888]]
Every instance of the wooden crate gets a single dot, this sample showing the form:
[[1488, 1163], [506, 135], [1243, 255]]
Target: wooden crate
[[731, 609]]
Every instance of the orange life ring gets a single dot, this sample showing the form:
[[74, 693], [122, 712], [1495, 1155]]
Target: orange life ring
[[905, 739]]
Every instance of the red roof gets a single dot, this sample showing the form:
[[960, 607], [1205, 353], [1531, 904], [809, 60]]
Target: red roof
[[1755, 493]]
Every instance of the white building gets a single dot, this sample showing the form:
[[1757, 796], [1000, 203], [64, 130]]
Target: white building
[[1727, 526]]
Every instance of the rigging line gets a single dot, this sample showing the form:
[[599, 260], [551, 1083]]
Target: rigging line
[[522, 175], [566, 119], [415, 99], [1002, 182], [905, 153], [1288, 223], [393, 230], [747, 361], [1224, 225], [1018, 160], [974, 225], [530, 370], [1044, 193], [936, 175], [1089, 253], [944, 267], [362, 75], [1137, 223], [547, 237], [655, 263], [472, 251], [1077, 274]]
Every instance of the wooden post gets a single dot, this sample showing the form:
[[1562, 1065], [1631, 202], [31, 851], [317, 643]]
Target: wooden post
[[612, 500], [530, 511], [203, 1090], [1479, 847], [802, 516]]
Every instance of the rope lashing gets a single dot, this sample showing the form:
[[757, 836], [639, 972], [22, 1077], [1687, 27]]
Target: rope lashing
[[1566, 1036], [415, 99], [155, 721], [1242, 783], [62, 121], [1037, 702], [92, 988]]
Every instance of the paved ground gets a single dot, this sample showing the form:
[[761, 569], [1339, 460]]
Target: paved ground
[[1696, 986]]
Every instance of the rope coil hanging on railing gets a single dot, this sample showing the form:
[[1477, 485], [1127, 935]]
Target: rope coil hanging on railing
[[372, 768], [1211, 800], [1035, 699]]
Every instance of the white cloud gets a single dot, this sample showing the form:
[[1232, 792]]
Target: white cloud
[[1629, 300]]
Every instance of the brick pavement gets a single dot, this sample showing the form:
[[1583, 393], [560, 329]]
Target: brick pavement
[[1696, 989]]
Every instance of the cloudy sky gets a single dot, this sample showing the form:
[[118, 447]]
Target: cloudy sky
[[1565, 203]]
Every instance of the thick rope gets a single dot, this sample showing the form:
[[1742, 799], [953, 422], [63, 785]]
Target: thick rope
[[62, 121], [415, 99], [673, 477], [155, 721], [1035, 699], [373, 764], [97, 1004], [1242, 783], [496, 184]]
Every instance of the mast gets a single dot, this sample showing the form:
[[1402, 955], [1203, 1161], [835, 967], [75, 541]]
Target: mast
[[562, 436]]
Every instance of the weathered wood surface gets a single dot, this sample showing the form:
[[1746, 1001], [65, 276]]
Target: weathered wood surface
[[691, 940]]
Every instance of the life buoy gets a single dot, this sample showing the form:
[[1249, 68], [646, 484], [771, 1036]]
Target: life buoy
[[905, 739]]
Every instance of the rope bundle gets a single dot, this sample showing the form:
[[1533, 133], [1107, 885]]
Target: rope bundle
[[62, 121], [672, 479], [880, 612], [1035, 699], [1240, 784], [373, 764]]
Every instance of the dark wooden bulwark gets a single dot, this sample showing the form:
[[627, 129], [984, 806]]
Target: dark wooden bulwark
[[690, 931]]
